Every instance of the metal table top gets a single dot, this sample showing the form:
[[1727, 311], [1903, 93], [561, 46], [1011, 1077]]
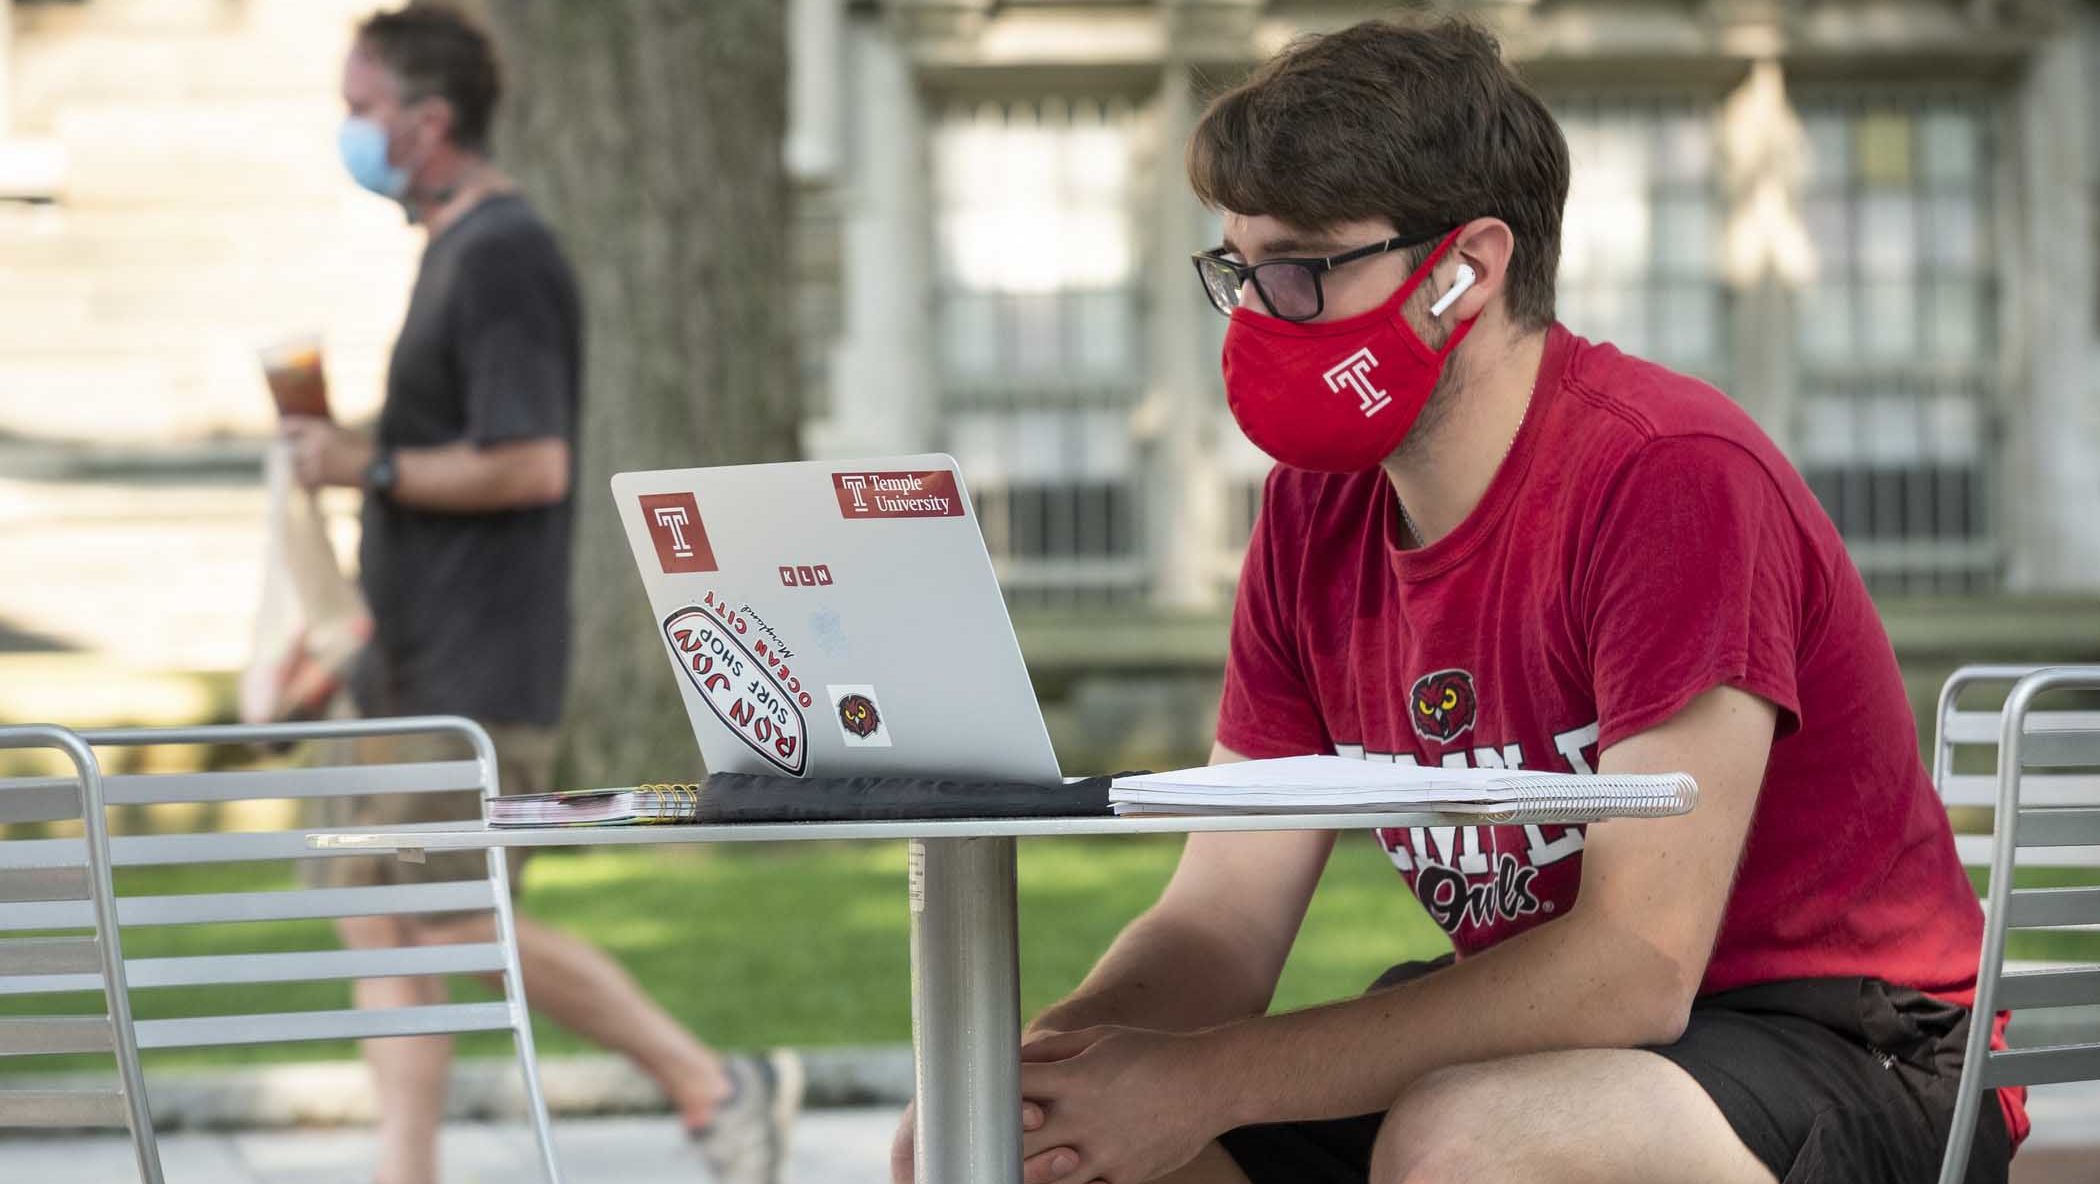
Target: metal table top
[[476, 836]]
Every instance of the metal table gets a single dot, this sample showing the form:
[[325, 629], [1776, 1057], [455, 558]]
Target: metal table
[[965, 971]]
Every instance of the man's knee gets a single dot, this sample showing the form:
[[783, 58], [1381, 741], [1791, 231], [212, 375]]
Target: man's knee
[[398, 930], [1443, 1129], [452, 930]]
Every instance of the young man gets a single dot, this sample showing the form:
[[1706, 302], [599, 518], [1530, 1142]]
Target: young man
[[1491, 542], [467, 518]]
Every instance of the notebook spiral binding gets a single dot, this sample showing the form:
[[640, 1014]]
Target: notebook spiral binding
[[1601, 797], [669, 802]]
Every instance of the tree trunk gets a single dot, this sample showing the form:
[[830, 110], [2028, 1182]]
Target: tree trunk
[[649, 134]]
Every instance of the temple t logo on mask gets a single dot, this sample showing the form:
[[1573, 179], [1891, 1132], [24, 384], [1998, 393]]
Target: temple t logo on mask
[[1353, 373]]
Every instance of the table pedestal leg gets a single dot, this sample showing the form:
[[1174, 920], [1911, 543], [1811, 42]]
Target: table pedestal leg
[[966, 1011]]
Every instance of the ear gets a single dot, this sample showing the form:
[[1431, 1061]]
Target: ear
[[435, 114], [1486, 245]]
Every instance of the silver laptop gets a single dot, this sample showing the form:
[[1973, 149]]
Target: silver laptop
[[835, 618]]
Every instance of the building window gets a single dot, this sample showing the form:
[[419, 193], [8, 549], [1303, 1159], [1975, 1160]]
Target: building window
[[1640, 239], [1040, 338], [1895, 336]]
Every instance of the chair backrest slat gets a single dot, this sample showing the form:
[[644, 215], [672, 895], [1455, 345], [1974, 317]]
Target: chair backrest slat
[[47, 799], [62, 1107], [2041, 789], [136, 789], [34, 884], [2060, 826], [2067, 987], [345, 1024], [47, 1034], [1981, 727], [2033, 908], [299, 904], [301, 966], [38, 799], [33, 957], [2059, 750], [1975, 851], [247, 846], [2042, 1066]]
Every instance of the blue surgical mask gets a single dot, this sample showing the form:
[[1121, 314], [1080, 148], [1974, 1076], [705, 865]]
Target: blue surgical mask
[[362, 143]]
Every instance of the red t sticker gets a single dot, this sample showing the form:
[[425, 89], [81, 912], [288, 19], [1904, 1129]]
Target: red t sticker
[[898, 495], [674, 526]]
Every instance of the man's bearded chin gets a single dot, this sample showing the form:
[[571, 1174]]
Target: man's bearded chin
[[1429, 423]]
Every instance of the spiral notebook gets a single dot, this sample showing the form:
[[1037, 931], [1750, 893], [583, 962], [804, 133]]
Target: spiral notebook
[[641, 805], [1340, 785]]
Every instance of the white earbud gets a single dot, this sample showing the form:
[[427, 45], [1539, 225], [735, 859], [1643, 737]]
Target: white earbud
[[1459, 285]]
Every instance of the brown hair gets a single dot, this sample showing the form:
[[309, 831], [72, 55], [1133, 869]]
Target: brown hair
[[1421, 124], [435, 51]]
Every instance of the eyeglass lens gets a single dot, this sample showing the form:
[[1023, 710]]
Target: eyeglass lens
[[1291, 290], [1288, 290]]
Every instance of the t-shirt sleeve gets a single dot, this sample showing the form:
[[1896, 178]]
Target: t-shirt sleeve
[[1695, 579], [515, 344], [1268, 708]]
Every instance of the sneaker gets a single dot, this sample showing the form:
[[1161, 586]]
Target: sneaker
[[747, 1143]]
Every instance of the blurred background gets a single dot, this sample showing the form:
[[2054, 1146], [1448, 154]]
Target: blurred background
[[858, 227]]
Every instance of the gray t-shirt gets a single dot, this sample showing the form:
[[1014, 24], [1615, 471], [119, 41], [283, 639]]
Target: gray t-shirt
[[471, 611]]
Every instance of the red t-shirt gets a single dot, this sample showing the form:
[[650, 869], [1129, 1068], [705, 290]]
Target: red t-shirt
[[1642, 543]]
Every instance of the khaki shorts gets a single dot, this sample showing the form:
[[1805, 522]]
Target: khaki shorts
[[524, 764]]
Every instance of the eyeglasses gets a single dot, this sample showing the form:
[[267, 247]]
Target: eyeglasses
[[1289, 288]]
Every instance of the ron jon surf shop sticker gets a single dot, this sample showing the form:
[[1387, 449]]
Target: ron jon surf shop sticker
[[744, 692]]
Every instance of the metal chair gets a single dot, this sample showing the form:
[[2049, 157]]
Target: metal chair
[[1976, 731], [81, 889], [134, 912], [2047, 818]]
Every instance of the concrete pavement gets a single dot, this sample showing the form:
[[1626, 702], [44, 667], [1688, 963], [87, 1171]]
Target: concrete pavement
[[831, 1147], [842, 1146]]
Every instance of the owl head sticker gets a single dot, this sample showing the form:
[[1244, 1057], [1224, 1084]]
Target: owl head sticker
[[1443, 705]]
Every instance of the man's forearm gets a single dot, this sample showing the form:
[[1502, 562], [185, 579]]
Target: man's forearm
[[1565, 985], [464, 479], [1165, 974]]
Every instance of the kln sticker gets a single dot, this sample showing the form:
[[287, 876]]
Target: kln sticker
[[744, 692]]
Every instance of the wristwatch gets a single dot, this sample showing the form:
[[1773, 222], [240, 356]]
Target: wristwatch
[[380, 475]]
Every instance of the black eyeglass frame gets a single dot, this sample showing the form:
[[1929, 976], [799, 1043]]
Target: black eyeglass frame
[[1316, 266]]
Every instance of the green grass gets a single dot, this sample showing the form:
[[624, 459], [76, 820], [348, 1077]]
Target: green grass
[[806, 944], [800, 944]]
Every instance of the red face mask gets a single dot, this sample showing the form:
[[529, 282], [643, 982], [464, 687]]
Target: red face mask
[[1334, 396]]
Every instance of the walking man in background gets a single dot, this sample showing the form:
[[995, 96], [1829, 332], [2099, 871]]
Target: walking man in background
[[468, 501]]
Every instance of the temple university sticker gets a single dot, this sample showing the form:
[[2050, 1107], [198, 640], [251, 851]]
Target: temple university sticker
[[753, 694], [861, 723], [674, 526], [897, 495]]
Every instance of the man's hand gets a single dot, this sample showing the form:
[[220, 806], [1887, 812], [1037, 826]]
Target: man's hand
[[901, 1150], [1119, 1104], [325, 453]]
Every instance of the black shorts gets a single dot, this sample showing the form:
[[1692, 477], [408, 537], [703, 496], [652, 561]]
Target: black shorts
[[1837, 1080]]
